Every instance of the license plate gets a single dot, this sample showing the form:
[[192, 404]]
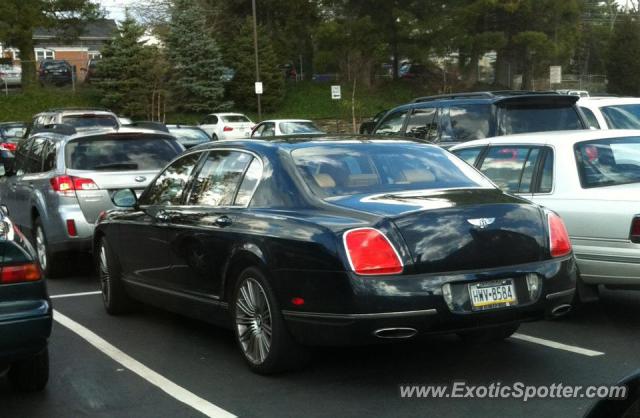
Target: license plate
[[494, 294]]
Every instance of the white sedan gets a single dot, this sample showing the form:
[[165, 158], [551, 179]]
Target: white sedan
[[611, 112], [278, 127], [591, 178], [221, 126]]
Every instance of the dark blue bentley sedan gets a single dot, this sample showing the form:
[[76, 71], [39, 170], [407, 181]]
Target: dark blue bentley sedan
[[25, 311], [331, 241]]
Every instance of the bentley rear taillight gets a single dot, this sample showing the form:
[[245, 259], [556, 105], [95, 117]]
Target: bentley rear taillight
[[371, 253], [559, 242]]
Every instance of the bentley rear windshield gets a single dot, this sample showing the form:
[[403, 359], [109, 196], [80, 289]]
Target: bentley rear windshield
[[355, 168], [609, 162]]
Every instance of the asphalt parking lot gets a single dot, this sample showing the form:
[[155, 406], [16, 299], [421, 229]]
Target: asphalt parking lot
[[152, 364]]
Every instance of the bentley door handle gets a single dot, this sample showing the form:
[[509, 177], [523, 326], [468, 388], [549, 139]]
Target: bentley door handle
[[223, 221]]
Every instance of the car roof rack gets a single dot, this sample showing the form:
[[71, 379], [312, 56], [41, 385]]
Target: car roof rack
[[482, 95], [57, 128], [156, 126], [94, 109]]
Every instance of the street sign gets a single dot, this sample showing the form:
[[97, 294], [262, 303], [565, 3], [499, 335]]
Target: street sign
[[336, 93], [259, 87], [555, 74]]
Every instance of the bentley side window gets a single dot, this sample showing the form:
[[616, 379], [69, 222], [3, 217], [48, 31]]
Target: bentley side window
[[217, 181], [169, 187]]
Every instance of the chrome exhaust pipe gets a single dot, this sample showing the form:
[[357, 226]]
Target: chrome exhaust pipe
[[561, 310], [395, 333]]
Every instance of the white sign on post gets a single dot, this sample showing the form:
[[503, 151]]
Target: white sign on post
[[555, 74], [258, 87], [336, 93]]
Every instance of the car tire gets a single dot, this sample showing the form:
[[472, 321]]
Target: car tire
[[50, 263], [255, 311], [30, 374], [487, 335], [114, 295]]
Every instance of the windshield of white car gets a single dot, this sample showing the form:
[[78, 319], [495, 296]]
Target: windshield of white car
[[609, 162], [235, 119], [622, 116], [291, 128]]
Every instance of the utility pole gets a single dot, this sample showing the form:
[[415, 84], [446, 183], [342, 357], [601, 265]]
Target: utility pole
[[255, 47]]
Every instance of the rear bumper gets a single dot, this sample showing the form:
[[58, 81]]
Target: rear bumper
[[25, 327], [417, 302], [610, 270]]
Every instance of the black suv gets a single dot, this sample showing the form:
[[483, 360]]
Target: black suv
[[455, 118], [56, 72]]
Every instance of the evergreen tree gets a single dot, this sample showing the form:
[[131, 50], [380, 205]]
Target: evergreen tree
[[127, 70], [241, 58], [197, 79], [623, 65]]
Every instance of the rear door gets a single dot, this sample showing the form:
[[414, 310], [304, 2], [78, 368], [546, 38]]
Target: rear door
[[210, 124], [113, 162], [203, 233]]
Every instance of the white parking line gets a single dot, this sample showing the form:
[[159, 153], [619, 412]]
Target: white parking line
[[177, 392], [557, 345], [71, 295]]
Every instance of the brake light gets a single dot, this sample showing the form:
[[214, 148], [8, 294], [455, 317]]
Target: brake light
[[227, 129], [67, 185], [8, 146], [71, 228], [635, 230], [29, 272], [370, 252], [559, 242]]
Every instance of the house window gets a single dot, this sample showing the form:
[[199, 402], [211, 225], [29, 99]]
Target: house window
[[44, 54]]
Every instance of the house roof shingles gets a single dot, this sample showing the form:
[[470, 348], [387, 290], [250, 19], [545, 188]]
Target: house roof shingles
[[98, 29]]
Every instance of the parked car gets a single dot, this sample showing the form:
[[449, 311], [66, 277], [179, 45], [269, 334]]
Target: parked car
[[25, 311], [591, 178], [329, 241], [451, 119], [367, 126], [188, 135], [221, 126], [611, 112], [10, 134], [278, 127], [60, 182], [79, 118], [56, 72], [10, 75]]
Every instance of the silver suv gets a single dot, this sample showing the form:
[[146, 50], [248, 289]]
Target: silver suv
[[79, 118], [60, 181]]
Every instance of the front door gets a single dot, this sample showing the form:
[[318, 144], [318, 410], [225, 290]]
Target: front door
[[203, 234], [144, 234]]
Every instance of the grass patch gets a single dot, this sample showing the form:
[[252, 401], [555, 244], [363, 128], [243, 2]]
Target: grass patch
[[305, 100], [22, 105]]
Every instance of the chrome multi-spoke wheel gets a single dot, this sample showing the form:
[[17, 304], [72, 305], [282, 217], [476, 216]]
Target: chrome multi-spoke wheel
[[105, 277], [253, 320], [41, 248]]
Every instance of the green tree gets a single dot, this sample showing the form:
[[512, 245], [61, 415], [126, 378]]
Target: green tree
[[196, 61], [127, 68], [19, 18], [241, 58], [623, 64]]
